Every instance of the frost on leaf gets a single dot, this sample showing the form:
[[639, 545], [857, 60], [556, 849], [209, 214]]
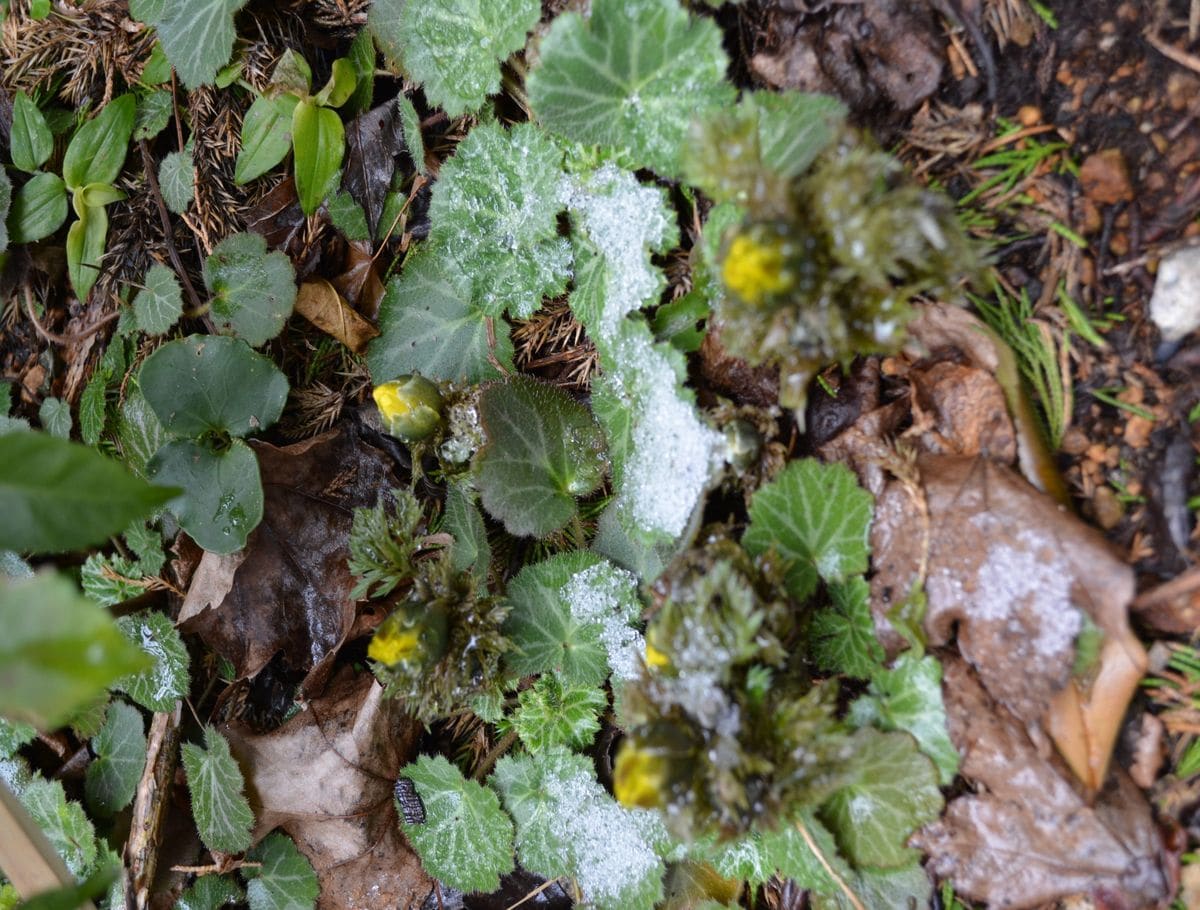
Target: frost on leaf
[[604, 595], [631, 77], [623, 223], [159, 687], [663, 456], [567, 824], [494, 211], [454, 47]]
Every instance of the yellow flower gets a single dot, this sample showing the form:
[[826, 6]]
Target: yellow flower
[[754, 269], [656, 659], [639, 777], [411, 407], [393, 644]]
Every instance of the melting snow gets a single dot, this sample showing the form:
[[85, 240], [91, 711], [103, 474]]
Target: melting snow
[[607, 595]]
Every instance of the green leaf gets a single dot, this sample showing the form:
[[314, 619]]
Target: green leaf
[[146, 543], [56, 495], [85, 247], [471, 550], [177, 180], [543, 450], [568, 825], [39, 208], [428, 325], [159, 303], [843, 636], [93, 407], [214, 780], [254, 291], [14, 735], [139, 432], [318, 143], [154, 111], [895, 792], [362, 57], [59, 650], [816, 518], [207, 383], [210, 892], [340, 87], [39, 9], [631, 77], [572, 614], [63, 822], [454, 47], [550, 713], [197, 37], [908, 697], [166, 680], [147, 11], [120, 750], [285, 880], [410, 125], [222, 499], [266, 136], [348, 217], [108, 591], [31, 141], [156, 71], [97, 150], [495, 206], [292, 74], [466, 840], [55, 416]]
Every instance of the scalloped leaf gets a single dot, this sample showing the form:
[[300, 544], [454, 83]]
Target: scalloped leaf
[[544, 449], [64, 823], [214, 780], [551, 713], [177, 180], [466, 839], [495, 207], [110, 580], [428, 325], [894, 793], [631, 77], [816, 518], [284, 880], [211, 384], [161, 685], [453, 47], [120, 749], [253, 291], [196, 36], [159, 303], [843, 636], [210, 892]]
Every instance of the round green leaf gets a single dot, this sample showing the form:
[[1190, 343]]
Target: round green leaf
[[222, 500], [209, 383], [318, 141], [39, 208], [253, 291]]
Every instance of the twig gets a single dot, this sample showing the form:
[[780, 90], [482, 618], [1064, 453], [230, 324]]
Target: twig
[[532, 894], [165, 218], [1183, 58], [153, 796], [494, 756], [54, 337], [816, 851]]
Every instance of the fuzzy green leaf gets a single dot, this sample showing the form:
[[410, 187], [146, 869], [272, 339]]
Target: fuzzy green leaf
[[222, 499], [253, 291], [631, 77], [843, 636], [93, 407], [428, 325], [30, 138], [908, 697], [567, 824], [120, 749], [495, 205], [550, 713], [318, 144], [284, 881], [471, 550], [154, 112], [544, 449], [349, 218], [58, 652], [895, 792], [177, 180], [159, 303], [146, 544], [816, 518], [410, 126], [14, 735], [55, 417], [97, 150], [64, 823], [161, 685], [106, 590], [39, 208], [214, 780], [197, 37], [266, 136], [210, 892], [56, 495], [466, 839], [454, 47], [210, 384]]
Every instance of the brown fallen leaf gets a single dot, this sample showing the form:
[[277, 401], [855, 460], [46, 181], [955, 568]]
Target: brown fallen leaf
[[326, 778], [289, 591], [359, 280], [1030, 835], [320, 303]]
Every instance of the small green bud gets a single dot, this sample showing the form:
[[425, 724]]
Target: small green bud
[[411, 407]]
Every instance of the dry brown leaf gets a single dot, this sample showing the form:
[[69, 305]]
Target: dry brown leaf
[[1030, 835], [359, 280], [320, 303], [326, 778], [289, 591]]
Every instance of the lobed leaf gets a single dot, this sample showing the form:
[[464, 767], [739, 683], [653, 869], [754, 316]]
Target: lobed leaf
[[219, 806], [254, 291], [55, 417], [160, 686], [843, 636], [210, 892], [285, 880], [64, 823], [177, 180], [159, 303], [551, 713]]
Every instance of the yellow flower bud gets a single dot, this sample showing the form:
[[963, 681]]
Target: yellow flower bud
[[656, 659], [411, 407], [754, 268], [413, 635], [639, 777], [392, 646]]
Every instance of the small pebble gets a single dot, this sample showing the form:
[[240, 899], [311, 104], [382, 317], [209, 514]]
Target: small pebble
[[1175, 304]]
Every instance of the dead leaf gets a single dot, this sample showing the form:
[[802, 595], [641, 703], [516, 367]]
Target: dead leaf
[[326, 777], [1010, 574], [1029, 836], [290, 594], [320, 303], [373, 140], [359, 280]]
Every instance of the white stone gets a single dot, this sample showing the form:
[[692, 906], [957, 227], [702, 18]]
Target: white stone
[[1175, 304]]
